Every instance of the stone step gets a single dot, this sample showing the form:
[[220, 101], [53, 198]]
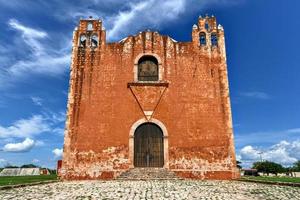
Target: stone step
[[148, 174]]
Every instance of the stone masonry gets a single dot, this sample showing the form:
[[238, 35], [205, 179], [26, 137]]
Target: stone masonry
[[189, 102]]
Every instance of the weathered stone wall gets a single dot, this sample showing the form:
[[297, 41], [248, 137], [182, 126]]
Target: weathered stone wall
[[191, 99]]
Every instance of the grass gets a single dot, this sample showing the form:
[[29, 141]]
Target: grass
[[273, 179], [14, 180]]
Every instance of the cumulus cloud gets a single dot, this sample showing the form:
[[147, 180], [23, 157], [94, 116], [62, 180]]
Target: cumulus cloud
[[249, 153], [284, 152], [24, 146], [256, 95], [25, 127], [34, 125], [57, 152]]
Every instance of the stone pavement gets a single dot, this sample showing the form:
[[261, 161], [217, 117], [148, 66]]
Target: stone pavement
[[152, 189]]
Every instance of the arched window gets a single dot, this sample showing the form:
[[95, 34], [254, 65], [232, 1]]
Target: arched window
[[90, 26], [214, 39], [82, 41], [148, 69], [202, 39], [94, 41], [206, 26]]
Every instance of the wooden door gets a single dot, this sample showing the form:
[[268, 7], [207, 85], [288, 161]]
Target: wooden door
[[148, 146]]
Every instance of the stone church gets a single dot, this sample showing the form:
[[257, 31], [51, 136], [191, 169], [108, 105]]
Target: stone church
[[149, 101]]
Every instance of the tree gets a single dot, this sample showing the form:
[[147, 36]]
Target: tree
[[296, 166], [268, 167], [29, 166], [238, 164], [10, 166]]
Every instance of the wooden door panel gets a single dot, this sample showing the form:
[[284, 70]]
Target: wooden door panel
[[148, 146]]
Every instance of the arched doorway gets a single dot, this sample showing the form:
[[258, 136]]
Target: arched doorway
[[148, 146]]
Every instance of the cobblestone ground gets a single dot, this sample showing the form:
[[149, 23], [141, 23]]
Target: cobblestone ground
[[179, 189]]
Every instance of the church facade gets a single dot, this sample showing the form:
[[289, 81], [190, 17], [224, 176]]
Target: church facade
[[149, 101]]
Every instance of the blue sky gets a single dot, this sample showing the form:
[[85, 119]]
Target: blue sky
[[263, 65]]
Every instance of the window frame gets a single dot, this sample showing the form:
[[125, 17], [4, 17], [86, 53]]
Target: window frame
[[143, 78], [160, 69]]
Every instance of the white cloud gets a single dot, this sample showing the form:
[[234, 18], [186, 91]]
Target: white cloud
[[59, 131], [266, 136], [144, 14], [43, 57], [284, 152], [57, 152], [153, 14], [49, 52], [34, 125], [256, 95], [39, 143], [24, 146], [55, 117], [293, 130], [31, 36], [59, 117], [249, 153], [122, 18], [37, 100], [35, 160], [46, 64], [25, 127]]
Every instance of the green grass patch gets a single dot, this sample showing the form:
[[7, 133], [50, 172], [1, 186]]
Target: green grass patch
[[14, 180], [273, 179]]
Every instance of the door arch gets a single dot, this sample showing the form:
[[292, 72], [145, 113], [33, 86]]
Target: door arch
[[165, 140], [148, 146]]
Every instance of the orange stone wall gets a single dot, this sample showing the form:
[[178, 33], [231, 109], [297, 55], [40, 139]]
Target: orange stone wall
[[191, 100]]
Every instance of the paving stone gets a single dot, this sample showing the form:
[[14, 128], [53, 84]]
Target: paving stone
[[153, 189]]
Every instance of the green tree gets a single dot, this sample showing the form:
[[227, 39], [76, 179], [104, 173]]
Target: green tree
[[10, 166], [238, 164], [268, 167], [29, 166], [296, 166]]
